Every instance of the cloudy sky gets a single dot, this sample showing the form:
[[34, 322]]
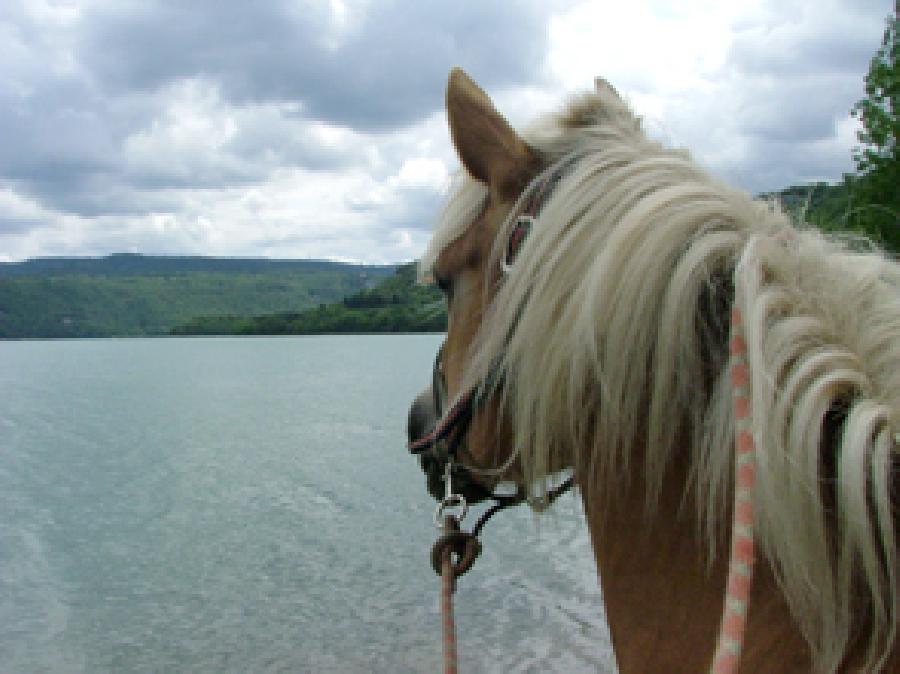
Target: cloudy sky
[[315, 128]]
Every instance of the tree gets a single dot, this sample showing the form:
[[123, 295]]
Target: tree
[[875, 194]]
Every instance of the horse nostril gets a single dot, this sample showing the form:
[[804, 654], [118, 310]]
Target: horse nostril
[[421, 416]]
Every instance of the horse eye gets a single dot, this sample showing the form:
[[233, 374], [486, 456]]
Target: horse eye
[[444, 284]]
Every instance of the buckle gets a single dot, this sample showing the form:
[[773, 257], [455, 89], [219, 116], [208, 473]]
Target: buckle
[[517, 237]]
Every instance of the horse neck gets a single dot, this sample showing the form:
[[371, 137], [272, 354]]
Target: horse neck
[[663, 597]]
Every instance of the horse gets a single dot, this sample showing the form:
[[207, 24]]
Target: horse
[[592, 278]]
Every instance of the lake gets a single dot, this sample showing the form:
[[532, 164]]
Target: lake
[[248, 505]]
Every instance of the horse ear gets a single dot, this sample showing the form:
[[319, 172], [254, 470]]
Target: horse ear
[[601, 85], [488, 147]]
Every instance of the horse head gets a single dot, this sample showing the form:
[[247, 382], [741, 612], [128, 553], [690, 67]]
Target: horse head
[[468, 270]]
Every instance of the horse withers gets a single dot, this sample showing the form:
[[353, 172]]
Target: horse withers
[[591, 276]]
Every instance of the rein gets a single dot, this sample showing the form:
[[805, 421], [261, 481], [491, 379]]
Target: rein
[[740, 565]]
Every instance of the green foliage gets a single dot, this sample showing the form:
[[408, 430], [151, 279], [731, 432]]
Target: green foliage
[[820, 204], [874, 194], [397, 304], [137, 295]]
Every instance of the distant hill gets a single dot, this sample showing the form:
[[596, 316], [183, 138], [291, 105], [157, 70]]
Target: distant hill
[[396, 304], [131, 295], [133, 264]]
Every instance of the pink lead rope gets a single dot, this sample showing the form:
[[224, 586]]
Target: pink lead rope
[[740, 566], [448, 627]]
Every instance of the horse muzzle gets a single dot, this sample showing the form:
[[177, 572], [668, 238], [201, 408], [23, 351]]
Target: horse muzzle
[[423, 416]]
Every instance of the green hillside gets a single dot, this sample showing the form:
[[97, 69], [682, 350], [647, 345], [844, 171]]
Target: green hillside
[[824, 205], [396, 304], [129, 295], [133, 264], [839, 208]]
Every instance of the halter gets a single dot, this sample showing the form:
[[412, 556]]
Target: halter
[[452, 426]]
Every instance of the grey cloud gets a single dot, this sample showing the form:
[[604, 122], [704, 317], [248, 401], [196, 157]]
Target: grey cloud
[[784, 90], [96, 194], [792, 55], [383, 70], [76, 94], [414, 208], [68, 148], [53, 130], [774, 164], [417, 209], [814, 61], [272, 137], [774, 109], [13, 225]]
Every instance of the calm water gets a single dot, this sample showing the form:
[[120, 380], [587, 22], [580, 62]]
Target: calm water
[[246, 505]]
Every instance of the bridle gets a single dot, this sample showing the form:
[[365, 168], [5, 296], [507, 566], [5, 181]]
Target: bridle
[[449, 432]]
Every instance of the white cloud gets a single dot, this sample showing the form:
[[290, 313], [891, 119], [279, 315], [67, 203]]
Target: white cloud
[[645, 48], [165, 127], [759, 91], [424, 172]]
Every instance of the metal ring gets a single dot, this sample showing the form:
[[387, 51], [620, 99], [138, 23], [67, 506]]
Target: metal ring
[[524, 225], [452, 501]]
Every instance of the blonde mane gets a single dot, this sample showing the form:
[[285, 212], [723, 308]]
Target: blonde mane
[[612, 327]]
